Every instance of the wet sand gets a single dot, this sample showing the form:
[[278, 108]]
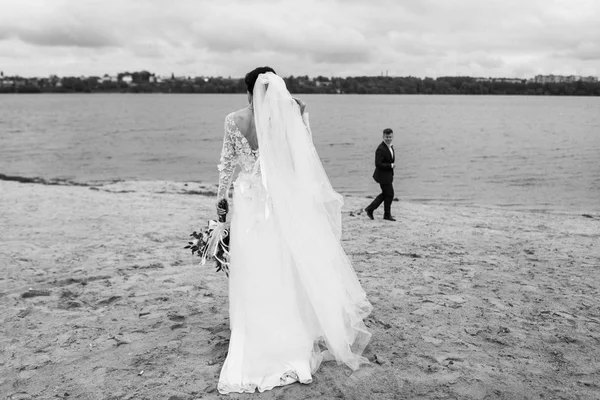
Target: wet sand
[[99, 300]]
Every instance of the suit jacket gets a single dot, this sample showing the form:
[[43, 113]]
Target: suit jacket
[[384, 173]]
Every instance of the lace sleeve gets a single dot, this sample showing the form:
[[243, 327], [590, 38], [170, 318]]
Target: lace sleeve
[[227, 163]]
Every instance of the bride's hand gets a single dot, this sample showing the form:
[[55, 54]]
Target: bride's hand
[[301, 104], [222, 207]]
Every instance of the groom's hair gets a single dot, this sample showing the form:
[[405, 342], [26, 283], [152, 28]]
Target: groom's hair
[[387, 131], [252, 76]]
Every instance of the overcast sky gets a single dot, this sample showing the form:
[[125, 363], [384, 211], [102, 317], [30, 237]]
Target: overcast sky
[[509, 38]]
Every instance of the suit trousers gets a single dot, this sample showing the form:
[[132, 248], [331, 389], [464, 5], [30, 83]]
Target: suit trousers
[[386, 197]]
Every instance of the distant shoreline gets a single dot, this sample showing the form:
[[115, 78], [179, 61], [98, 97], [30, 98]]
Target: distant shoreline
[[144, 82], [302, 93]]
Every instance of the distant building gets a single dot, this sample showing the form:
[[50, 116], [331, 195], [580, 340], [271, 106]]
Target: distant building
[[505, 80], [108, 78], [544, 79], [563, 79], [512, 80], [322, 83]]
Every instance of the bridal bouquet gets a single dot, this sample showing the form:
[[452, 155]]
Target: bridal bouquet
[[212, 243]]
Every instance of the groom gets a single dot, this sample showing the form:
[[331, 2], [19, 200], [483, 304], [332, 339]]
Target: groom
[[385, 156]]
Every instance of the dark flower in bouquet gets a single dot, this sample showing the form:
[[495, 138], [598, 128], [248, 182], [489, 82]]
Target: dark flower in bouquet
[[212, 243]]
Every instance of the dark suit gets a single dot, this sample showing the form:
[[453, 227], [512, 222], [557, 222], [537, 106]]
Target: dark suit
[[384, 175]]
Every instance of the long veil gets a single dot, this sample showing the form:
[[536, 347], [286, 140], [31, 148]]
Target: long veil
[[307, 213]]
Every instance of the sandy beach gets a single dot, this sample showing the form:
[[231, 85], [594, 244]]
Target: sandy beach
[[99, 300]]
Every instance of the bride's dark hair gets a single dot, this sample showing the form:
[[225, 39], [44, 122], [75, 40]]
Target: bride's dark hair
[[251, 76]]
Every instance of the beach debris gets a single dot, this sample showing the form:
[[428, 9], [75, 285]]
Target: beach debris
[[432, 368], [35, 293], [175, 317], [450, 358], [372, 320], [120, 339], [381, 360], [473, 331], [503, 330], [142, 313], [25, 312], [211, 388], [141, 373], [412, 255]]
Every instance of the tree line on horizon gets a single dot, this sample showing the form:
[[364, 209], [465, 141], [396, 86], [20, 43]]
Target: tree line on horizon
[[145, 82]]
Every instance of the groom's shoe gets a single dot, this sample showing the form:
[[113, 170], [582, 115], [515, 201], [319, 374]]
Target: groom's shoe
[[389, 218], [369, 213]]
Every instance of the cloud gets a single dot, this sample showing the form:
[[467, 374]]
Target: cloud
[[585, 51], [148, 50], [69, 36], [482, 60], [337, 37], [313, 39], [4, 33], [41, 24]]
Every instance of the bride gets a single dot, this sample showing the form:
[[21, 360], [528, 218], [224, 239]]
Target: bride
[[294, 298]]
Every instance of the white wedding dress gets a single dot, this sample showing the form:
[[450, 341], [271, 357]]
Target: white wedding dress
[[294, 298]]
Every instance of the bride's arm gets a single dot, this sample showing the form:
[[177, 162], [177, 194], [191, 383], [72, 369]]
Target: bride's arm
[[303, 114], [227, 163]]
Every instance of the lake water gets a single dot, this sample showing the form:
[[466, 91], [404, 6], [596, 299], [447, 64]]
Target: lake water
[[532, 153]]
